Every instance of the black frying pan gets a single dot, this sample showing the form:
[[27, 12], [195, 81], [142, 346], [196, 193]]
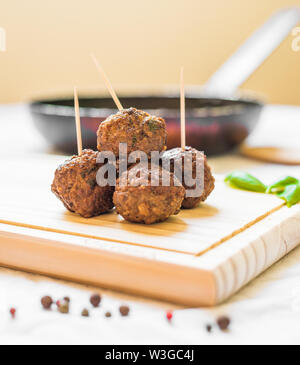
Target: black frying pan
[[212, 125], [215, 122]]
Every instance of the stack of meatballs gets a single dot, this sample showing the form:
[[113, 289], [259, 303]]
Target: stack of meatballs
[[137, 200]]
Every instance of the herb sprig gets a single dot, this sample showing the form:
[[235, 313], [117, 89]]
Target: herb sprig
[[245, 181], [286, 188]]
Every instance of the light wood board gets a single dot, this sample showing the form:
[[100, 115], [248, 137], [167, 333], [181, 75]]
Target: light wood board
[[280, 155], [198, 257]]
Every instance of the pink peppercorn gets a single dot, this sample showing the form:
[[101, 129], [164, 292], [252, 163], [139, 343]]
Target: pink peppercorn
[[169, 315]]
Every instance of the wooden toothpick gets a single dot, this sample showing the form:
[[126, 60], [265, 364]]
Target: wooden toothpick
[[77, 122], [182, 110], [107, 83]]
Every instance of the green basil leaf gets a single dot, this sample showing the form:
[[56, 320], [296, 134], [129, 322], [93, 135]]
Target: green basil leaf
[[245, 181], [291, 194], [279, 185]]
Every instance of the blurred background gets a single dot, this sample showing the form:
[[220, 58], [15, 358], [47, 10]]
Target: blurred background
[[139, 43], [142, 45]]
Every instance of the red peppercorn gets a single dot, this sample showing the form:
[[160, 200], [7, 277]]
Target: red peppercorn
[[57, 303], [12, 311], [169, 315]]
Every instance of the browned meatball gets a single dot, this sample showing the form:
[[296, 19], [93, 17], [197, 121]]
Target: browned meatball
[[76, 186], [176, 154], [140, 130], [147, 204]]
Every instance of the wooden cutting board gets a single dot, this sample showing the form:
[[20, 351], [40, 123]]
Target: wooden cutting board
[[199, 257], [286, 156]]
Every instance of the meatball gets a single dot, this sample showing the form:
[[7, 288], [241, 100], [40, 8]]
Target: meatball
[[76, 186], [140, 130], [138, 201], [176, 154]]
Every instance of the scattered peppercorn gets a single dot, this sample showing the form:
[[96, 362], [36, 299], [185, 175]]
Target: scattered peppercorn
[[208, 328], [12, 311], [63, 307], [169, 315], [46, 302], [57, 303], [223, 323], [107, 314], [95, 300], [85, 313], [124, 310]]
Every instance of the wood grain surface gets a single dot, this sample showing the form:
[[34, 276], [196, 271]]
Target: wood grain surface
[[26, 200], [198, 257]]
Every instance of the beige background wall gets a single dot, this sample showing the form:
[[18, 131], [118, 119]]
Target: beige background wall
[[139, 42]]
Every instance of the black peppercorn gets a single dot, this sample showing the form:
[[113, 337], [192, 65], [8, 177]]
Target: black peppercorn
[[124, 310], [46, 302], [95, 300], [85, 313], [223, 323], [208, 328], [63, 307]]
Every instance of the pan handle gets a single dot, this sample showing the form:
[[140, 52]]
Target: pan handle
[[238, 68]]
